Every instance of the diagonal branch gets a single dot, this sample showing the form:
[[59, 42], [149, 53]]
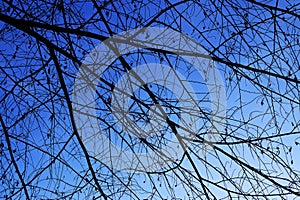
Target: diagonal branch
[[7, 137]]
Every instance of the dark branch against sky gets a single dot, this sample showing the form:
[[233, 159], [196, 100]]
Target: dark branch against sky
[[248, 48]]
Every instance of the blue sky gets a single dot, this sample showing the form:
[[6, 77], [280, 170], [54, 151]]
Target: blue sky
[[47, 128]]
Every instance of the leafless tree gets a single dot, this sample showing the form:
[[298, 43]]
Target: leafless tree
[[254, 45]]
